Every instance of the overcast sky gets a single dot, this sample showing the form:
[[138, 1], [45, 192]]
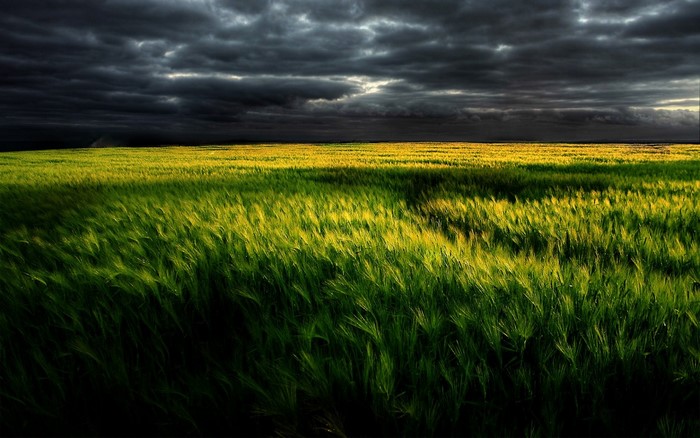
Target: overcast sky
[[73, 71]]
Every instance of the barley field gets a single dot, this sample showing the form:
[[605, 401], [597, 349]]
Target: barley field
[[351, 289]]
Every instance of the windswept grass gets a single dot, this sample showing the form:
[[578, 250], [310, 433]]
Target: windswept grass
[[421, 289]]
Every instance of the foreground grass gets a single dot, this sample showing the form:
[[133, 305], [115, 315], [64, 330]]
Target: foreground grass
[[445, 289]]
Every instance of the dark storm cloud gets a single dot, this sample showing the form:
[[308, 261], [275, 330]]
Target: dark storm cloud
[[211, 70]]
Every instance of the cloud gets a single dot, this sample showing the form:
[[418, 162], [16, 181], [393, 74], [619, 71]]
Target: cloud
[[311, 69]]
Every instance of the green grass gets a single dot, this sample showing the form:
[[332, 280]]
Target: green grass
[[410, 289]]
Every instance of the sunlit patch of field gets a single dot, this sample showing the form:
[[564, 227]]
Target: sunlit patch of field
[[415, 288]]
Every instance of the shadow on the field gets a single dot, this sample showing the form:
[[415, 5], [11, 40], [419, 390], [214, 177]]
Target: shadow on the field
[[45, 208], [528, 182]]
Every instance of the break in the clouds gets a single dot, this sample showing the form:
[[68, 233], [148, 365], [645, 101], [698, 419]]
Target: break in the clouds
[[317, 70]]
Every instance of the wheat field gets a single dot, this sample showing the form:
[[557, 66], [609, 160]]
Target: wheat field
[[351, 289]]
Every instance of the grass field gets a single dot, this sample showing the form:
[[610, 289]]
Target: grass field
[[411, 289]]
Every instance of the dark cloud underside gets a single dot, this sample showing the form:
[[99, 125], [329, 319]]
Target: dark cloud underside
[[306, 70]]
